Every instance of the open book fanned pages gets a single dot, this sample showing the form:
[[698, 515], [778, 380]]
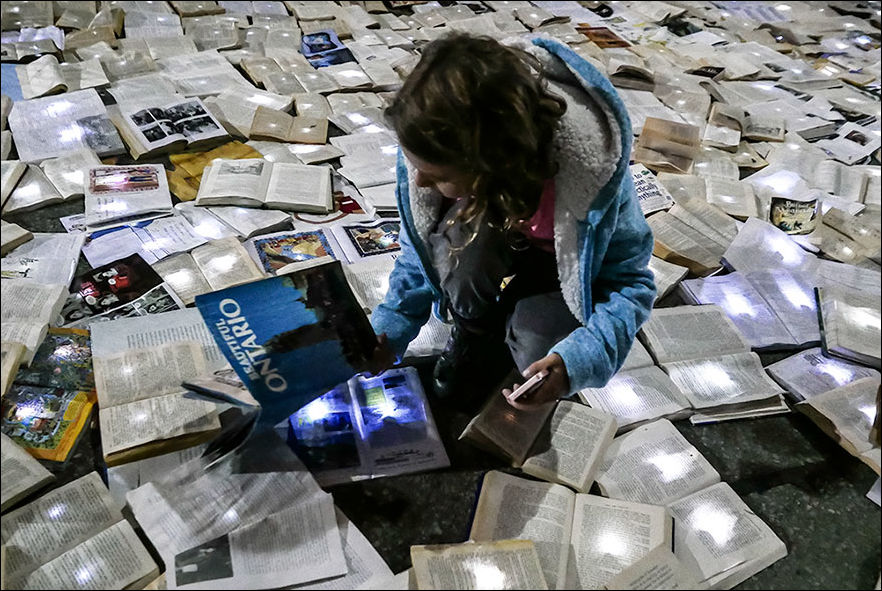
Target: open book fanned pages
[[98, 547], [22, 473], [505, 564]]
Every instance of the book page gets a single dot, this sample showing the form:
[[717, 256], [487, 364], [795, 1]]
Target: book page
[[232, 179], [719, 536], [68, 172], [571, 445], [123, 334], [507, 564], [365, 568], [682, 244], [300, 187], [748, 310], [54, 524], [791, 299], [638, 395], [636, 528], [248, 221], [637, 357], [125, 426], [182, 274], [85, 74], [760, 246], [659, 569], [33, 191], [28, 334], [39, 270], [810, 373], [732, 196], [137, 374], [516, 508], [113, 559], [728, 380], [653, 464], [691, 332], [850, 322], [851, 410], [22, 473], [40, 77], [666, 275], [226, 263], [29, 301]]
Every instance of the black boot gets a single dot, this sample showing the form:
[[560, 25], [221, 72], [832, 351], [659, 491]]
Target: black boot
[[475, 359]]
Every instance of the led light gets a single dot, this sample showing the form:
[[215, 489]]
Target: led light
[[610, 543], [736, 303], [56, 510], [317, 410], [719, 524], [840, 375], [672, 466], [488, 576]]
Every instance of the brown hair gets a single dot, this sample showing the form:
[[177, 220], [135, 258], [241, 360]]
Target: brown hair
[[483, 108]]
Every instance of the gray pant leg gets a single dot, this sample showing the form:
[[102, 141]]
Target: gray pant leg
[[471, 269], [538, 323]]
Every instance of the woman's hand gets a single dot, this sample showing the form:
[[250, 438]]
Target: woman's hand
[[554, 386], [382, 358]]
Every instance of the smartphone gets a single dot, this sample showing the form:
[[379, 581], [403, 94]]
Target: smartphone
[[528, 386]]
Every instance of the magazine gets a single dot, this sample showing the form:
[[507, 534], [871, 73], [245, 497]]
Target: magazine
[[275, 251]]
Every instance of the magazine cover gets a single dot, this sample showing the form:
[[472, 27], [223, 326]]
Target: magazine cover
[[123, 288], [362, 241], [47, 422], [323, 48], [63, 360], [279, 250], [290, 338]]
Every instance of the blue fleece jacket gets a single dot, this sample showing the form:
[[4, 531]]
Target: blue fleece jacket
[[602, 251]]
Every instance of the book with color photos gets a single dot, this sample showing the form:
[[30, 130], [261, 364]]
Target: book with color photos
[[271, 330]]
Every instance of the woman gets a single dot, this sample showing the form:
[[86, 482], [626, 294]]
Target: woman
[[514, 169]]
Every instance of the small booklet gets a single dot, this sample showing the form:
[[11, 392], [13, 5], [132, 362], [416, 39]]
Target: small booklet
[[571, 528], [13, 236], [509, 564], [276, 251], [93, 545], [116, 195], [172, 127], [368, 427], [850, 325], [260, 183], [314, 321], [22, 474]]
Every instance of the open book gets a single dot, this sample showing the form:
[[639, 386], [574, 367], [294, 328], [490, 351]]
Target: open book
[[13, 236], [842, 413], [666, 275], [22, 474], [509, 564], [810, 373], [27, 310], [753, 126], [274, 125], [561, 442], [172, 127], [369, 427], [667, 145], [655, 464], [850, 325], [260, 183], [143, 409], [10, 360], [119, 194], [216, 265], [46, 76], [571, 531], [772, 309], [92, 545], [710, 361]]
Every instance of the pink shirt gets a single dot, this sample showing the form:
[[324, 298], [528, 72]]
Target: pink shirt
[[539, 229]]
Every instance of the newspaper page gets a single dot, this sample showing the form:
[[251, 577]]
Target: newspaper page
[[735, 379], [22, 473], [653, 196], [365, 568], [136, 374], [507, 564], [719, 536], [569, 449], [691, 332], [811, 373], [129, 476], [54, 524], [659, 569], [112, 559], [636, 527], [510, 507], [52, 126], [638, 395], [123, 334], [653, 464], [125, 426]]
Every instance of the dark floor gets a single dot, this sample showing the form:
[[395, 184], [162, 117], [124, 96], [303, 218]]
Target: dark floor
[[803, 485]]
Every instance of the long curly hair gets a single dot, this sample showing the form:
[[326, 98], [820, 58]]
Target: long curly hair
[[484, 109]]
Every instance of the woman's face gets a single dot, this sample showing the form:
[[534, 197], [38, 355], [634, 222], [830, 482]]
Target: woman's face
[[447, 180]]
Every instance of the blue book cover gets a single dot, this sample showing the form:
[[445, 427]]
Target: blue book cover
[[290, 338]]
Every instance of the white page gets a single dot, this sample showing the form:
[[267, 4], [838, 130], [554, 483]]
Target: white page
[[851, 408], [29, 301], [637, 395], [115, 194], [300, 187], [68, 172], [810, 373], [247, 178], [653, 464], [22, 473], [760, 246], [166, 236], [660, 569], [43, 270], [129, 476], [123, 334], [508, 564], [51, 245], [226, 263], [691, 332], [636, 529], [666, 275], [516, 508], [851, 321]]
